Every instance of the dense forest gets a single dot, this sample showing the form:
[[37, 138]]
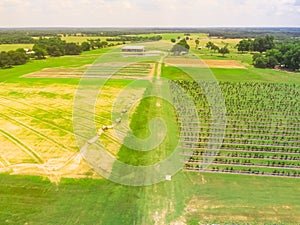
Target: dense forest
[[15, 39]]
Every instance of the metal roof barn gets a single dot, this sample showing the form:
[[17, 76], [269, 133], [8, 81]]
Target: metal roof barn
[[134, 49]]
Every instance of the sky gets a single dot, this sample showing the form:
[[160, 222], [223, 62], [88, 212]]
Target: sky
[[149, 13]]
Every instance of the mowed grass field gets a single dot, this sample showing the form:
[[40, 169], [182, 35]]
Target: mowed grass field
[[190, 198], [8, 47]]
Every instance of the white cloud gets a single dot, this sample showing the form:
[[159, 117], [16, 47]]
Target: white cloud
[[16, 13]]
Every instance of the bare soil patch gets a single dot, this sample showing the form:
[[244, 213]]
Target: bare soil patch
[[204, 63]]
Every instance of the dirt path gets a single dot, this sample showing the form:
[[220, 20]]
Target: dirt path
[[159, 66]]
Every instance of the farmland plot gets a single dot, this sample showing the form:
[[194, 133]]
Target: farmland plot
[[37, 132], [131, 71], [262, 130]]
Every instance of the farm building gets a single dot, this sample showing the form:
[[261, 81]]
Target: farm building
[[29, 51], [134, 49]]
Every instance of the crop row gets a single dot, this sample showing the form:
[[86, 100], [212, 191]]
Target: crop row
[[261, 133]]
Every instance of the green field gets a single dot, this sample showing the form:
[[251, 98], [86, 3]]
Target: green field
[[208, 198], [36, 117], [8, 47], [238, 75]]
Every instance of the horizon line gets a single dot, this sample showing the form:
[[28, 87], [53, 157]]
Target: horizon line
[[146, 27]]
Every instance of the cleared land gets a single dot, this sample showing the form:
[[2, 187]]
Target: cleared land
[[204, 63]]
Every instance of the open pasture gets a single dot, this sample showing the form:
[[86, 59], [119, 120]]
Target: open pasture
[[8, 47], [190, 198]]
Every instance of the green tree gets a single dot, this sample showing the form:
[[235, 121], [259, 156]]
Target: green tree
[[55, 51], [209, 45], [5, 60], [292, 58], [72, 49], [263, 44], [197, 42], [103, 44], [215, 48], [92, 43], [17, 58], [269, 42], [258, 45], [275, 53], [54, 46], [21, 50], [39, 52], [173, 40], [224, 50], [244, 45], [98, 43], [271, 61], [260, 61], [85, 46]]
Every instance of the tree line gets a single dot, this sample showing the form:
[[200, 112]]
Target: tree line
[[224, 50], [12, 58], [260, 44], [285, 54], [278, 33], [15, 39], [54, 47]]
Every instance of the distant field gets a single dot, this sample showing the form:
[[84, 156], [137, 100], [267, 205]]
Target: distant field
[[79, 39], [238, 75], [8, 47], [225, 64]]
